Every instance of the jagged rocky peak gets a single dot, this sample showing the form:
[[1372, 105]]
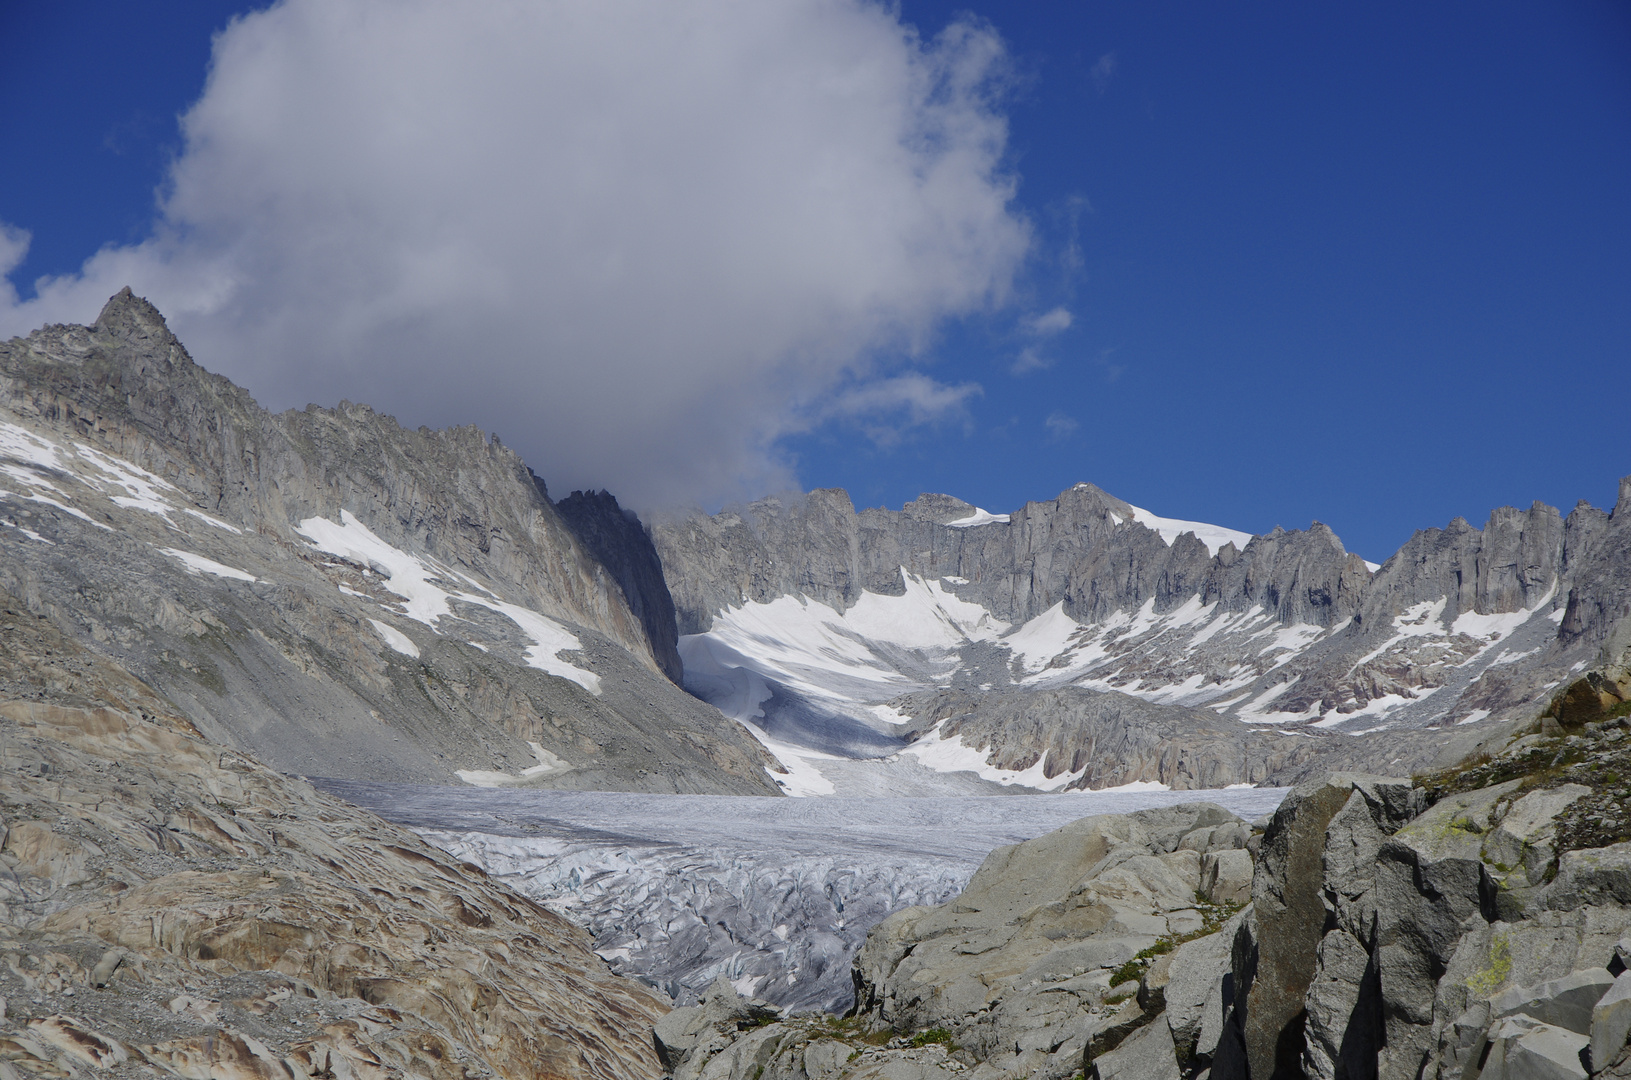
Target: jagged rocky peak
[[1287, 628], [334, 592], [132, 317], [1509, 565], [940, 509]]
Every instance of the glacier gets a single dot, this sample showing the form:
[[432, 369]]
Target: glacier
[[775, 894]]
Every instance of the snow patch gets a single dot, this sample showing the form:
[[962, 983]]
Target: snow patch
[[1495, 627], [396, 639], [1213, 536], [197, 564], [1256, 711], [548, 764], [811, 648], [30, 533], [425, 601], [943, 754], [23, 445], [64, 507], [979, 517], [1038, 642], [127, 486]]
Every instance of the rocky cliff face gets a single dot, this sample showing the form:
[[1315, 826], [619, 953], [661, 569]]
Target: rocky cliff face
[[332, 592], [794, 612], [172, 907]]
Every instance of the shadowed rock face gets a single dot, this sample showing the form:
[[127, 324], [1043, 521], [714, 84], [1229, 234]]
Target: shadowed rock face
[[615, 538], [172, 907], [169, 520]]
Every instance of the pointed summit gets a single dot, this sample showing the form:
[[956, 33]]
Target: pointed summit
[[129, 316]]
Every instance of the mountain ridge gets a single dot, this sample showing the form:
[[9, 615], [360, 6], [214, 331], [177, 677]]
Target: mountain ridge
[[334, 592], [1461, 625]]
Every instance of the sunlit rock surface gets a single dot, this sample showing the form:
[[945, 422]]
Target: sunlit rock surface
[[172, 907]]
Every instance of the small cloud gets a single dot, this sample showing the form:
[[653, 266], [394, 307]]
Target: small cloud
[[1112, 371], [1103, 71], [1047, 324], [921, 399], [130, 133], [1068, 214], [1029, 360], [1050, 322], [1060, 427], [13, 250]]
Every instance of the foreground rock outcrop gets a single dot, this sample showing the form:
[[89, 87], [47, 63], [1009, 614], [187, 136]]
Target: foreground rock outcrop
[[171, 907], [1470, 924], [1106, 937]]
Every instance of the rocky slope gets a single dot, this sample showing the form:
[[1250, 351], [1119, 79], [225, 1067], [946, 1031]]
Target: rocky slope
[[334, 593], [829, 629], [1073, 738], [172, 907], [1470, 924]]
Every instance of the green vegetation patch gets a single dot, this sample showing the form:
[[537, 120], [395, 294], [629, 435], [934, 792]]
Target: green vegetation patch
[[935, 1035], [1595, 754]]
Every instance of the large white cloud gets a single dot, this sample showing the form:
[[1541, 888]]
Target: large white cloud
[[640, 240]]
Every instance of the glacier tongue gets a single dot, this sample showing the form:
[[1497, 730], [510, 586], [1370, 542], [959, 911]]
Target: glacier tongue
[[775, 894]]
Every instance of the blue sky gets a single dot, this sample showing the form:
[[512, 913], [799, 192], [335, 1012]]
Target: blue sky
[[1363, 263]]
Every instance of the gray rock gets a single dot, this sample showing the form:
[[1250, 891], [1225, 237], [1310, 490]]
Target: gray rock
[[722, 1004], [824, 1059], [1430, 879], [1522, 843], [1289, 907], [1595, 876], [1226, 876], [1522, 1049], [675, 1035], [1196, 976], [1020, 964], [1611, 1023], [1337, 1039], [1147, 1054], [1465, 1040], [1567, 1002]]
